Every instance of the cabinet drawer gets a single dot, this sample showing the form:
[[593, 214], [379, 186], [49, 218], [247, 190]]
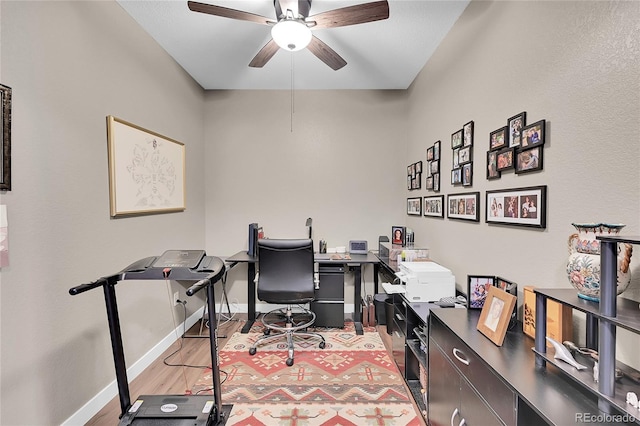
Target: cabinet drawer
[[398, 346], [400, 320], [498, 396], [328, 314]]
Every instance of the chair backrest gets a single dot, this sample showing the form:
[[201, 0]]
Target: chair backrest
[[285, 271]]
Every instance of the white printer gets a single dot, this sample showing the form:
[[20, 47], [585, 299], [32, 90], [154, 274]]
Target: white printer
[[426, 281]]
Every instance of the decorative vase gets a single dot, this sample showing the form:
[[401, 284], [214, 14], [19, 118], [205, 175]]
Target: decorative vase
[[583, 268]]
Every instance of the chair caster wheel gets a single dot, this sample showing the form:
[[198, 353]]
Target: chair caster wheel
[[289, 362], [267, 332], [322, 345], [252, 351]]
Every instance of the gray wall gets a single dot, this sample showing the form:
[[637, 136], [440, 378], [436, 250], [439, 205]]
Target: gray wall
[[72, 63]]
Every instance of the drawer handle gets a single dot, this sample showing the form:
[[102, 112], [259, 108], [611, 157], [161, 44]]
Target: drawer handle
[[453, 416], [457, 351], [399, 317]]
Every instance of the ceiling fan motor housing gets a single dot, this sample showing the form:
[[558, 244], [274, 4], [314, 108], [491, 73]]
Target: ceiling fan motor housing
[[299, 8]]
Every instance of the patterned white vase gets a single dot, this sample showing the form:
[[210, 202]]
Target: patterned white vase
[[583, 268]]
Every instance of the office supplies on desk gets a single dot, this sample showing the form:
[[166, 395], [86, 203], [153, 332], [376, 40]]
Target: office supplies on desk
[[358, 247]]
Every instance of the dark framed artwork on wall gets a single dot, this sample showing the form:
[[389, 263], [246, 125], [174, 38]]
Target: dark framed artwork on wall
[[498, 139], [492, 165], [456, 139], [464, 206], [515, 125], [434, 206], [533, 134], [529, 159], [467, 134], [505, 159], [467, 174], [5, 149], [414, 206], [518, 206]]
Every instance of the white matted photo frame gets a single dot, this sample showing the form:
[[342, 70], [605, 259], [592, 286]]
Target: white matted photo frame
[[414, 206], [433, 206], [496, 314], [146, 170], [464, 206], [518, 206]]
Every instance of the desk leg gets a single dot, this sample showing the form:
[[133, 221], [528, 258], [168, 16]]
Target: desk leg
[[376, 271], [357, 284], [215, 359], [251, 299]]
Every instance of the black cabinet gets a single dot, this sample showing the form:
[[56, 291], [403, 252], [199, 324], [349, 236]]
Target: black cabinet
[[329, 296]]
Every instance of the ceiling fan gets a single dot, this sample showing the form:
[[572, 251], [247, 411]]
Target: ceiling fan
[[292, 29]]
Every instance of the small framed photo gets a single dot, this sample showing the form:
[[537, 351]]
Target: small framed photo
[[492, 165], [464, 155], [515, 125], [428, 183], [518, 206], [467, 174], [467, 138], [456, 139], [436, 150], [496, 314], [434, 166], [505, 285], [505, 159], [434, 206], [498, 139], [477, 290], [430, 153], [397, 235], [456, 158], [414, 206], [464, 206], [436, 182], [533, 135], [419, 167], [456, 176], [529, 159]]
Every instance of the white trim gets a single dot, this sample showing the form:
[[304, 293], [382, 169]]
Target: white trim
[[97, 403]]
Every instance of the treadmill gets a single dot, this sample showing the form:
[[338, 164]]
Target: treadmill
[[169, 410]]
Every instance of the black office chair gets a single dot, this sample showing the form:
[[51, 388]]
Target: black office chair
[[286, 277]]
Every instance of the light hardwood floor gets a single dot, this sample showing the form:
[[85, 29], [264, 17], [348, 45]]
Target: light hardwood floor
[[160, 379]]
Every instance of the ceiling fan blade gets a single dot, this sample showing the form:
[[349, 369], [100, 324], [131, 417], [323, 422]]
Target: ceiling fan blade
[[264, 54], [326, 54], [225, 12], [358, 14]]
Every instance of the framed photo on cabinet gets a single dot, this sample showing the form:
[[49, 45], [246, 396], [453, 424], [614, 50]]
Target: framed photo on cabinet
[[496, 314]]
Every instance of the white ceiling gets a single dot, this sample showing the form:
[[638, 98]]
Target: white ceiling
[[216, 51]]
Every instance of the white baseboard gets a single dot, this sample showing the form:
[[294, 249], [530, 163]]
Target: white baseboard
[[95, 404]]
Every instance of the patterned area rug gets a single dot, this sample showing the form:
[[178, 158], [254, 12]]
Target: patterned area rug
[[352, 381]]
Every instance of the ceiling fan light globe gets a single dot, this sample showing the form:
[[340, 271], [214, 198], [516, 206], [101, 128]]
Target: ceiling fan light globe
[[291, 35]]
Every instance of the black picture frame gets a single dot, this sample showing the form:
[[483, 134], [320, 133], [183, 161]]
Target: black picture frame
[[456, 158], [514, 126], [436, 182], [529, 159], [5, 149], [456, 176], [465, 155], [533, 134], [506, 285], [492, 165], [436, 150], [414, 176], [498, 139], [464, 206], [467, 174], [505, 159], [414, 206], [478, 289], [397, 235], [517, 206], [429, 154], [456, 139], [433, 206], [467, 134]]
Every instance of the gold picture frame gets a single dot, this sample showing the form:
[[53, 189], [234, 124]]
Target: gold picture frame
[[146, 170], [495, 315]]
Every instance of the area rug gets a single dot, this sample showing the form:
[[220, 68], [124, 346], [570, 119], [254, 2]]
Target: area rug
[[352, 381]]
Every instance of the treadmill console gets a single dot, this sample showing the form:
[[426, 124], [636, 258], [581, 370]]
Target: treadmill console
[[180, 259]]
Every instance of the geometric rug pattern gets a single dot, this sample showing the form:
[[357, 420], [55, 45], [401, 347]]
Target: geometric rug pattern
[[352, 381]]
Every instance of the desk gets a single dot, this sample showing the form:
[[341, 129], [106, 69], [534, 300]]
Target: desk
[[356, 262]]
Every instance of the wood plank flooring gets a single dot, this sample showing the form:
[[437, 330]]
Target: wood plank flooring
[[161, 379]]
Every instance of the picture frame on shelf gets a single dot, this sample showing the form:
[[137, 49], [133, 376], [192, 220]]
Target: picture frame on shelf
[[456, 139], [529, 159], [518, 206], [5, 149], [505, 285], [492, 165], [505, 159], [131, 149], [456, 176], [498, 139], [414, 206], [433, 206], [464, 206], [533, 134], [496, 314], [515, 125], [478, 289], [464, 155], [467, 134], [467, 174], [397, 235]]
